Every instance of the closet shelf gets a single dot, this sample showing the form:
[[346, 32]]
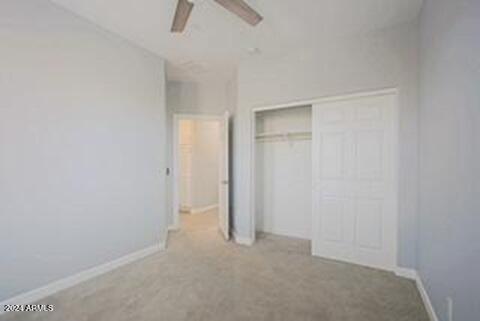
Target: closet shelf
[[284, 135]]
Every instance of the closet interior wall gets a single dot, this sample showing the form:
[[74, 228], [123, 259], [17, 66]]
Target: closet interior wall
[[283, 174]]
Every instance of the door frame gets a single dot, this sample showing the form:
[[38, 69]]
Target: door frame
[[331, 98], [177, 117]]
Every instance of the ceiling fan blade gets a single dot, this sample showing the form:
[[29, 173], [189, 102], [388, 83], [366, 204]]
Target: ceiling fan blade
[[184, 8], [241, 9]]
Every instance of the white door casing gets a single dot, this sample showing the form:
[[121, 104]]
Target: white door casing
[[224, 183], [354, 180]]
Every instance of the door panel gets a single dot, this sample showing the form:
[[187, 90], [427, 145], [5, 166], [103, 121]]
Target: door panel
[[354, 213], [369, 151], [332, 221], [223, 215], [332, 155], [369, 226]]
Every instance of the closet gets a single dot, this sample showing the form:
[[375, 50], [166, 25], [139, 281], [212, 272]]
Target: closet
[[327, 171], [283, 171]]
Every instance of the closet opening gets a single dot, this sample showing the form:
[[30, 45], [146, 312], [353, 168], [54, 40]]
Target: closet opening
[[326, 171], [283, 172]]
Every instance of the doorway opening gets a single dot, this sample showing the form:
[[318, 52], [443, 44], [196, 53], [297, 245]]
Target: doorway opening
[[200, 169]]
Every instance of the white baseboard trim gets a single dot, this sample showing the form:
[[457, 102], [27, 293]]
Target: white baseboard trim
[[69, 281], [406, 273], [161, 246], [242, 240], [426, 299], [413, 275], [196, 210], [173, 227]]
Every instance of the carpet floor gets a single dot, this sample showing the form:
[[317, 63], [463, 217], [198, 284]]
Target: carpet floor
[[202, 277]]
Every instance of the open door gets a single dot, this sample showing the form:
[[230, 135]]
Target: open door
[[223, 210]]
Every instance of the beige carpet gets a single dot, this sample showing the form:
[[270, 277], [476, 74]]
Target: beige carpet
[[201, 277]]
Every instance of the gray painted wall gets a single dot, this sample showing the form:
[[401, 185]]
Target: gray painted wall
[[449, 237], [81, 146], [385, 58]]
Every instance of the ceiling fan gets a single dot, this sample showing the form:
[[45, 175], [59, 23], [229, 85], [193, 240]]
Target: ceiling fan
[[237, 7]]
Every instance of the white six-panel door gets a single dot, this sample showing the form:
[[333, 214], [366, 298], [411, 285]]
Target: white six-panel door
[[354, 192]]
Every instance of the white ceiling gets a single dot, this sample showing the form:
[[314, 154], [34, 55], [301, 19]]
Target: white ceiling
[[215, 40]]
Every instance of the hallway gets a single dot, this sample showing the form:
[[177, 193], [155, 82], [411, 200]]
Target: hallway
[[202, 277]]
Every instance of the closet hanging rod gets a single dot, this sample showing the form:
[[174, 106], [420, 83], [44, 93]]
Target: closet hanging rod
[[284, 135]]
